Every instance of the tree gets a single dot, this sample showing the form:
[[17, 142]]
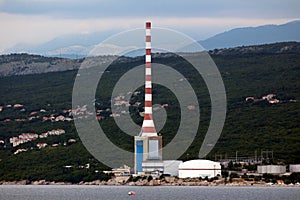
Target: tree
[[149, 178]]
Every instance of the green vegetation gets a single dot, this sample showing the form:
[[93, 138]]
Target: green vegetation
[[249, 126], [27, 59]]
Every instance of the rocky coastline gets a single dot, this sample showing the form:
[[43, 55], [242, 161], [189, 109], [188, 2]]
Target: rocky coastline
[[167, 181]]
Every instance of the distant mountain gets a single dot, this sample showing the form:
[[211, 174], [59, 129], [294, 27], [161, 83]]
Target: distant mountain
[[22, 64], [79, 45], [66, 46], [254, 35]]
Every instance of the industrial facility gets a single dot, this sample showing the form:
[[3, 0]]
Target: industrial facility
[[199, 168], [271, 169], [171, 167], [148, 144], [148, 158]]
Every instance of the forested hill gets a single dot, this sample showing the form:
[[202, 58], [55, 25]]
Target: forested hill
[[275, 48], [263, 106], [22, 64]]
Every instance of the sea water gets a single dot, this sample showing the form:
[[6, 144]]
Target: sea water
[[79, 192]]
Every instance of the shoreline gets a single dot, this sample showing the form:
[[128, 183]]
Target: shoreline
[[152, 183]]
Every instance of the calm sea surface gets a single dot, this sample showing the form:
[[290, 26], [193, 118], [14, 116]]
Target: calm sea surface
[[74, 192]]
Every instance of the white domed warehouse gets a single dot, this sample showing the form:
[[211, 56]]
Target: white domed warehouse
[[199, 168]]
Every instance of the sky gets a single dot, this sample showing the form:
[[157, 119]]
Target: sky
[[35, 22]]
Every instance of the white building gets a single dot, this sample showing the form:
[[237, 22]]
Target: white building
[[171, 167], [199, 168], [41, 145], [271, 169], [294, 168], [121, 171], [150, 166]]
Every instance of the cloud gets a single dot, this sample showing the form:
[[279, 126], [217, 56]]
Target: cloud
[[167, 8], [36, 29], [38, 21]]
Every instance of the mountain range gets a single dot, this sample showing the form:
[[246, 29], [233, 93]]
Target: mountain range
[[24, 64], [79, 45], [254, 35]]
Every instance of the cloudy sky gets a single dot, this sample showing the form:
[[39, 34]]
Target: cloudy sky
[[39, 21]]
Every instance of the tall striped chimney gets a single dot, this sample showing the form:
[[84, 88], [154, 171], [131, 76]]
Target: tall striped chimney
[[148, 128], [148, 145]]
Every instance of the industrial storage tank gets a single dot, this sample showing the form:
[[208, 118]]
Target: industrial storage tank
[[171, 167], [271, 169], [199, 168], [294, 167]]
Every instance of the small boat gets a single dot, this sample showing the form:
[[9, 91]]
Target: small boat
[[131, 193]]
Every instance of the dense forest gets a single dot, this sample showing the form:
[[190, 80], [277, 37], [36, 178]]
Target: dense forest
[[252, 125]]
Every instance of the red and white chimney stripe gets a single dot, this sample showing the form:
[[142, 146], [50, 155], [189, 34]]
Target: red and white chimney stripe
[[148, 128]]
